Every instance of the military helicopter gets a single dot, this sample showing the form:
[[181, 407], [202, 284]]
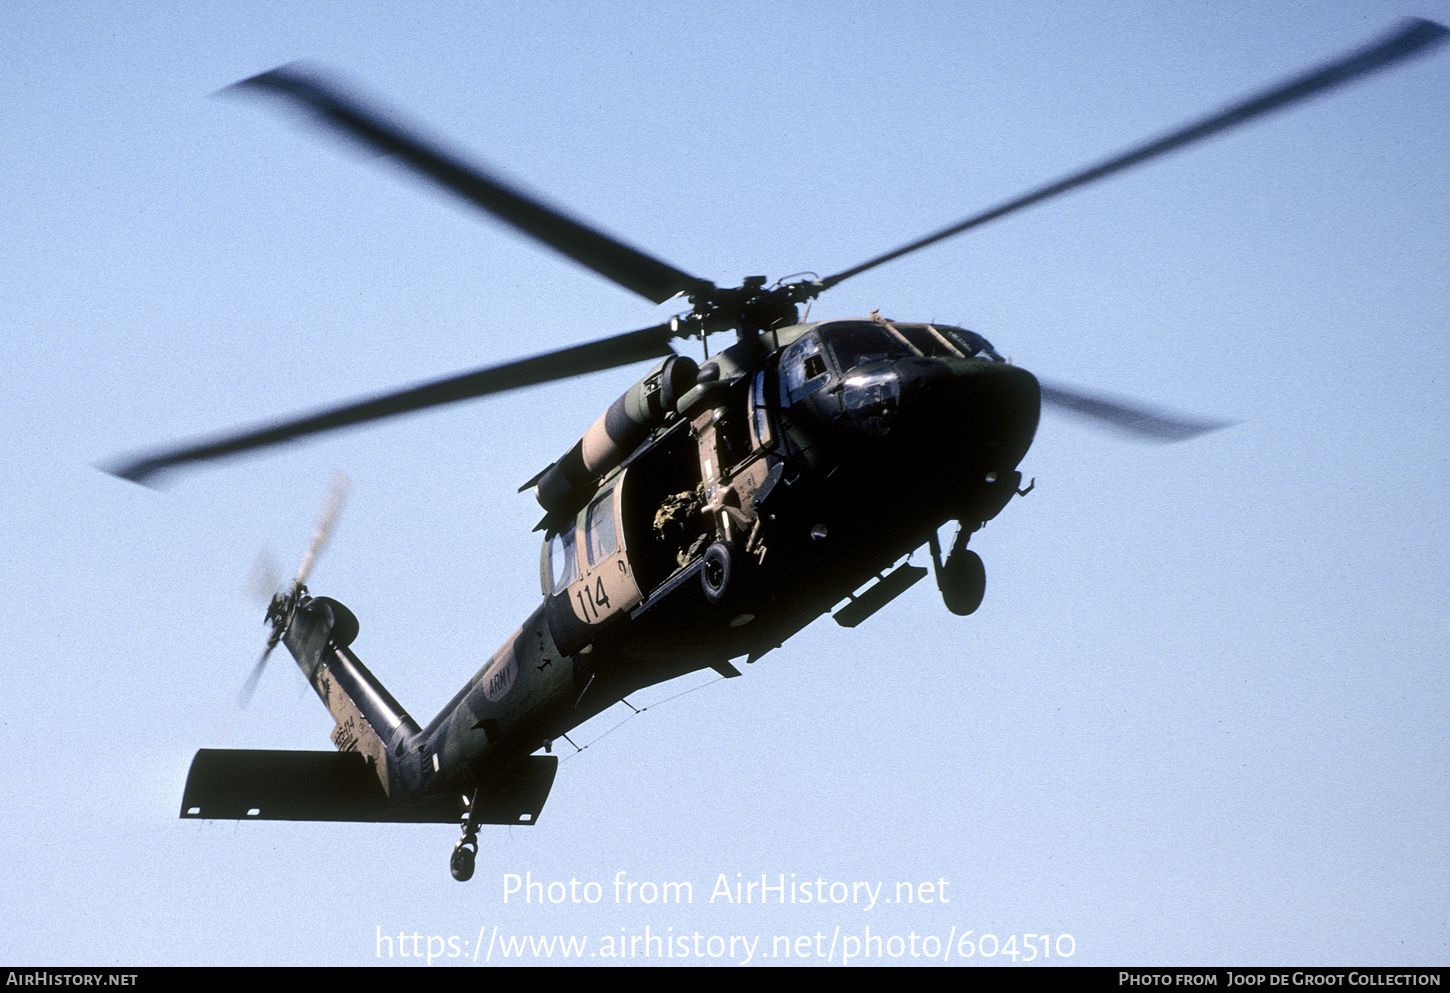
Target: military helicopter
[[711, 512]]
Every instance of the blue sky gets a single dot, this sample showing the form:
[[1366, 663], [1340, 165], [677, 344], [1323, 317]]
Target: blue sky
[[1201, 716]]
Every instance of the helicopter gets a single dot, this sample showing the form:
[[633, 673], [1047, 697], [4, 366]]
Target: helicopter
[[711, 512]]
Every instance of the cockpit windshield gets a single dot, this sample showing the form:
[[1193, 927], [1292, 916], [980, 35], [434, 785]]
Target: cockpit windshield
[[933, 346], [855, 343], [972, 344], [936, 341]]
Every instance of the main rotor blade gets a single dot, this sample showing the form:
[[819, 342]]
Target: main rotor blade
[[1141, 422], [649, 277], [607, 353], [1413, 37]]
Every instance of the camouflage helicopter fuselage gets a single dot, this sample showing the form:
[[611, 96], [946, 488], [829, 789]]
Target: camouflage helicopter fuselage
[[709, 514], [789, 473]]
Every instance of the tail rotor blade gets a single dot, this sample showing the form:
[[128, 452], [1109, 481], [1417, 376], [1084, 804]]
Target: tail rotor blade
[[336, 497], [279, 613], [250, 686], [264, 581]]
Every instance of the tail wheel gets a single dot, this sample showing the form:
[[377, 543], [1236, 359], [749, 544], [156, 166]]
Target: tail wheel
[[461, 863], [717, 572]]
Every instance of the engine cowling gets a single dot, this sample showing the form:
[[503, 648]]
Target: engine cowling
[[567, 484]]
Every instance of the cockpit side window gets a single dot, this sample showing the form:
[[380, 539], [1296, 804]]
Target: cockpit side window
[[802, 370]]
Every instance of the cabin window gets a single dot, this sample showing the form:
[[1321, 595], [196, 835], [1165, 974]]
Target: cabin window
[[599, 538], [802, 371], [563, 563]]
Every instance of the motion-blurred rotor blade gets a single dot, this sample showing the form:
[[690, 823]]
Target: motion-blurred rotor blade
[[1413, 37], [607, 353], [649, 277], [1140, 422], [279, 613], [336, 497], [250, 686], [263, 581]]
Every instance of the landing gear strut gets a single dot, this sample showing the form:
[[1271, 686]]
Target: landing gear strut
[[963, 579], [466, 851]]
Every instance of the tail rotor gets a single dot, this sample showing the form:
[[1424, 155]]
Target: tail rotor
[[284, 602]]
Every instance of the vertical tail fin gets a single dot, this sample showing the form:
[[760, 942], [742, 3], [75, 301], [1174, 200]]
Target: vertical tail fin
[[368, 719]]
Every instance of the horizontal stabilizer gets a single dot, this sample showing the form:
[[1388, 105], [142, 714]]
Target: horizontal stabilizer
[[228, 784]]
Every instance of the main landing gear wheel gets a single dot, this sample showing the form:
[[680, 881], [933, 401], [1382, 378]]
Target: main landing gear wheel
[[963, 579], [964, 582], [461, 863], [716, 573]]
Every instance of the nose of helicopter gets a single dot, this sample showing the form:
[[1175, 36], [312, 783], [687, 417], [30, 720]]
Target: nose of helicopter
[[995, 408], [970, 413]]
